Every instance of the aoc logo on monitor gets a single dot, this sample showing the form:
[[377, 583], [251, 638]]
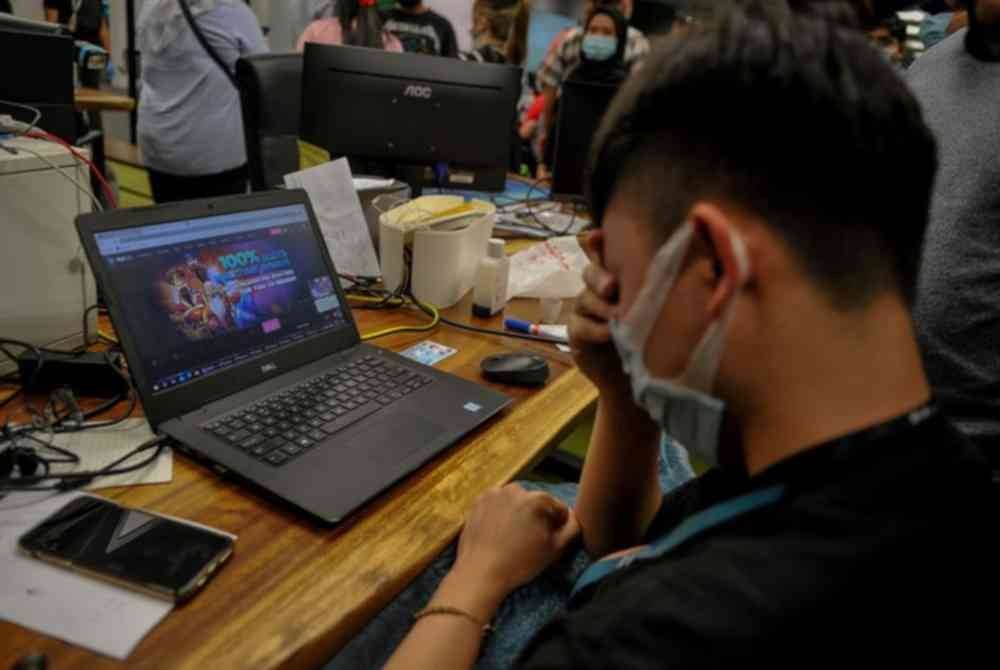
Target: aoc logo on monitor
[[416, 91]]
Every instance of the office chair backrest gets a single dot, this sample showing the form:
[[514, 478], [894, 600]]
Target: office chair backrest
[[271, 93]]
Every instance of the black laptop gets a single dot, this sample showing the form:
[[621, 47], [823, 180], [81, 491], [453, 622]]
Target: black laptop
[[244, 350]]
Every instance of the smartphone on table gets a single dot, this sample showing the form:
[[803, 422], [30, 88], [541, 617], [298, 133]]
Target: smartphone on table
[[163, 557]]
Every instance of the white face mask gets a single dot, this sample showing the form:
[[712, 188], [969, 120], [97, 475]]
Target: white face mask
[[682, 406]]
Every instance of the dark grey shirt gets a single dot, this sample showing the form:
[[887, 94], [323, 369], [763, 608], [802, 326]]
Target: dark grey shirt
[[958, 299]]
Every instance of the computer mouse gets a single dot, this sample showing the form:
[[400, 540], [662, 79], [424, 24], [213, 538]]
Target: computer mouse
[[518, 368]]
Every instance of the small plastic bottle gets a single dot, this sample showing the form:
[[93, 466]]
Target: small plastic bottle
[[490, 293]]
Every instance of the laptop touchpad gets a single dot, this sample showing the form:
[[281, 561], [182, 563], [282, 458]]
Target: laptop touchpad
[[395, 437]]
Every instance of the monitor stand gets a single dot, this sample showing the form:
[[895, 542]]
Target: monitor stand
[[415, 176]]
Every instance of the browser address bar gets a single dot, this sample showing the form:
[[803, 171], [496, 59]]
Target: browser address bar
[[190, 231]]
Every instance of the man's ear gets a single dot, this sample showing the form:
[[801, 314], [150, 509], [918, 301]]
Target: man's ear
[[717, 229]]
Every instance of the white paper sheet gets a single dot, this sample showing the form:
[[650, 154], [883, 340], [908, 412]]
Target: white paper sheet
[[98, 447], [550, 269], [81, 610], [341, 220]]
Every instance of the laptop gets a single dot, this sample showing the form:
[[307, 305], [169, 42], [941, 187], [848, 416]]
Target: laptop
[[245, 352]]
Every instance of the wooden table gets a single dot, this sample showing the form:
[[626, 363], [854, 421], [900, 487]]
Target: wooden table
[[98, 100], [293, 592]]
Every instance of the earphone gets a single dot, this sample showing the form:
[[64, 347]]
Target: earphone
[[24, 459]]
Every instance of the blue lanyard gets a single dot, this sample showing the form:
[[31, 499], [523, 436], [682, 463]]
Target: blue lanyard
[[730, 509], [689, 528]]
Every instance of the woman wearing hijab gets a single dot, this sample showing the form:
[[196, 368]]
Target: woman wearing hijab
[[602, 61], [363, 28], [190, 124], [602, 52]]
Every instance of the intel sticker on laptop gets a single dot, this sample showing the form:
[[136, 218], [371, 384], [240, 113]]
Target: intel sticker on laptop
[[428, 353]]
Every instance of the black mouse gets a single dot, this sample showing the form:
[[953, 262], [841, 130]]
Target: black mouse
[[519, 368]]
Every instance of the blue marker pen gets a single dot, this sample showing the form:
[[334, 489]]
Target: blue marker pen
[[519, 326]]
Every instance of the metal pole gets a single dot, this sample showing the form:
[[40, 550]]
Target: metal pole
[[133, 68]]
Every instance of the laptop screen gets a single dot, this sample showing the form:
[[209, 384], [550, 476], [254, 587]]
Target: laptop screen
[[203, 295]]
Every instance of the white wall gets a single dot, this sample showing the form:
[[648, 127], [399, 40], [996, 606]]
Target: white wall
[[31, 9], [119, 39], [263, 10]]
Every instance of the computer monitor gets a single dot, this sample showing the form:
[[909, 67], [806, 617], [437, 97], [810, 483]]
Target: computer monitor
[[581, 107], [11, 22], [38, 73], [426, 120]]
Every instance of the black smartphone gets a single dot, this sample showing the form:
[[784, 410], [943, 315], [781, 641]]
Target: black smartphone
[[163, 557]]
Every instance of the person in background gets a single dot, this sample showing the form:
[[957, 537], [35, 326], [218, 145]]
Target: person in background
[[500, 37], [294, 16], [749, 295], [949, 18], [602, 50], [958, 297], [421, 29], [87, 19], [493, 34], [366, 28], [564, 59], [190, 124], [602, 58]]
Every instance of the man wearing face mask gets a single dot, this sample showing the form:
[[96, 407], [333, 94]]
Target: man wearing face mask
[[762, 187], [421, 29], [958, 301]]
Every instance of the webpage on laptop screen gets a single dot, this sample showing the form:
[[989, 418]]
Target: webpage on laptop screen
[[203, 295]]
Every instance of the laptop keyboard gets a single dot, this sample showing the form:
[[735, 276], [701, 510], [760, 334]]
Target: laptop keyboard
[[287, 424]]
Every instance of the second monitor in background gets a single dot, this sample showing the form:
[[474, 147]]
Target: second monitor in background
[[428, 121], [581, 107]]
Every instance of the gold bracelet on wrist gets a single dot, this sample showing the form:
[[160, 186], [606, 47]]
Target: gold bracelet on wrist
[[486, 628]]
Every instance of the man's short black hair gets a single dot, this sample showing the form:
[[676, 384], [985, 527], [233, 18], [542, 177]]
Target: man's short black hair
[[793, 117]]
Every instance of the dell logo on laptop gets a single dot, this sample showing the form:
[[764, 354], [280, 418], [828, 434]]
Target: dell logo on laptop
[[414, 91], [269, 368]]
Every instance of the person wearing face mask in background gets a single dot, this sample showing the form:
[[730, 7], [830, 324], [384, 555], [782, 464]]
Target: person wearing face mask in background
[[750, 296], [421, 30], [365, 28], [958, 302], [944, 18], [602, 60], [558, 64], [602, 50]]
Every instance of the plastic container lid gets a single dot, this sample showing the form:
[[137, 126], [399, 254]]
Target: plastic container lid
[[496, 248]]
